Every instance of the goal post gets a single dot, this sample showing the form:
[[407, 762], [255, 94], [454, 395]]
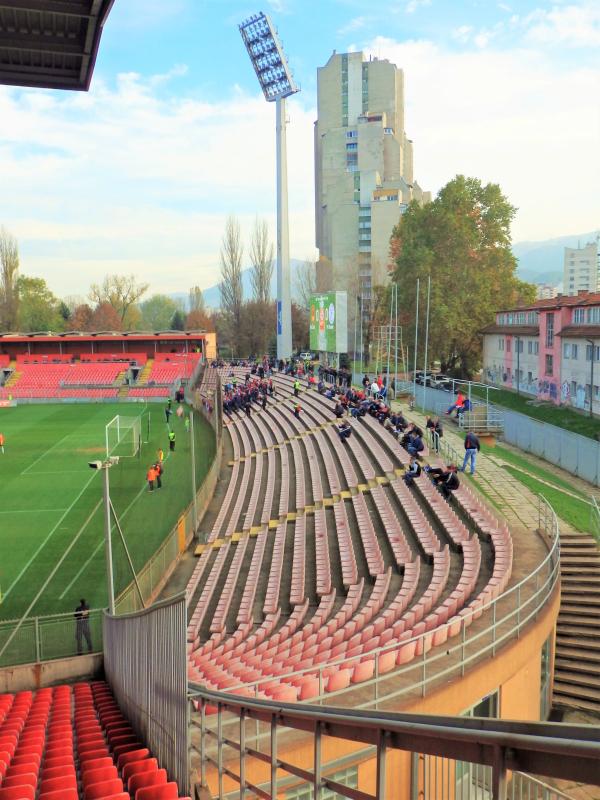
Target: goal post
[[123, 436]]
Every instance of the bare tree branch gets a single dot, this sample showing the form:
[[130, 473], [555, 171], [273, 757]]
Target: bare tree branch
[[261, 253], [305, 282], [9, 273], [196, 300], [120, 291], [230, 287]]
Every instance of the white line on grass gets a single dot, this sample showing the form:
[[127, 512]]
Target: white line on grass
[[48, 537], [32, 510], [49, 578], [45, 453], [101, 542]]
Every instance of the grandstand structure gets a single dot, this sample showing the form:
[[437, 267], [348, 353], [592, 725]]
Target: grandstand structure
[[325, 579], [99, 366]]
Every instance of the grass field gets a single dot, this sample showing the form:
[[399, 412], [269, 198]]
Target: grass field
[[50, 501]]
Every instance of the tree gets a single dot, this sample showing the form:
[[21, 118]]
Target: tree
[[199, 321], [230, 287], [104, 318], [157, 312], [178, 321], [81, 317], [196, 300], [462, 241], [261, 253], [64, 311], [9, 273], [38, 307], [305, 282], [121, 292]]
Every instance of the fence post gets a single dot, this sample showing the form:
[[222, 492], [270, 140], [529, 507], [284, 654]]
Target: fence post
[[38, 644]]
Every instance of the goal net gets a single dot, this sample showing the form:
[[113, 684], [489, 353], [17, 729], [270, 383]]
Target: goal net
[[123, 436]]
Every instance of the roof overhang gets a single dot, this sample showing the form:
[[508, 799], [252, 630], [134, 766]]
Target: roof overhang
[[50, 44]]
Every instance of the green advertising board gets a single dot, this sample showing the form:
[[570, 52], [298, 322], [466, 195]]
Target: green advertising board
[[329, 322]]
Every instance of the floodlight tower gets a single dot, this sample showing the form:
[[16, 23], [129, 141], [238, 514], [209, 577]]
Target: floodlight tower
[[276, 81]]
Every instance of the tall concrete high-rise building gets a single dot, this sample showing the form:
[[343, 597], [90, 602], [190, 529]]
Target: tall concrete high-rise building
[[581, 269], [363, 173]]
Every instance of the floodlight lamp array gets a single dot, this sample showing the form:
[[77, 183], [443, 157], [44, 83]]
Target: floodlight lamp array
[[267, 57]]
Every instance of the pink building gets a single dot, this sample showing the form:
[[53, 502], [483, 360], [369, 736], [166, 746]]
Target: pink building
[[551, 348]]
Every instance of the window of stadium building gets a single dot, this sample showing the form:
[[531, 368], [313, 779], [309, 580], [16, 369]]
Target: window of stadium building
[[347, 777], [593, 315], [545, 682]]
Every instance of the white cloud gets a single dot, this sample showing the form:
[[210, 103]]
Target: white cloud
[[570, 26], [121, 176], [355, 24], [414, 5], [462, 33], [515, 117]]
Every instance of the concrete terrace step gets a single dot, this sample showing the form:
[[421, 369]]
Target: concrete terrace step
[[579, 680], [565, 639], [587, 626], [564, 666], [580, 609], [566, 653], [579, 694]]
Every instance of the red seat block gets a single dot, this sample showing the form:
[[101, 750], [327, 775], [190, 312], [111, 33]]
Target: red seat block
[[141, 780], [136, 767], [20, 793], [96, 775], [54, 784], [132, 755]]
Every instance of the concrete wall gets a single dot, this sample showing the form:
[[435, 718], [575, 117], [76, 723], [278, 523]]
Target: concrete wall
[[50, 673]]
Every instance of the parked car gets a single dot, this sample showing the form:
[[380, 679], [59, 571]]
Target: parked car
[[306, 356]]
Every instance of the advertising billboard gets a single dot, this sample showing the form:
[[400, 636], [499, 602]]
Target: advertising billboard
[[329, 322]]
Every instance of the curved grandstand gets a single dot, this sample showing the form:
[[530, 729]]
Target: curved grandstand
[[324, 576]]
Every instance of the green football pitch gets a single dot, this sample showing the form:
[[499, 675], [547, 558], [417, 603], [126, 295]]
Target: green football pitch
[[51, 506]]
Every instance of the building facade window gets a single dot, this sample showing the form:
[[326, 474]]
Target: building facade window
[[507, 344], [566, 350], [574, 351], [588, 352], [549, 364], [593, 315], [501, 343], [536, 348], [549, 330]]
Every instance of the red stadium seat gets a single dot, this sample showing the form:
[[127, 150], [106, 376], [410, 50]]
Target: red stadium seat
[[96, 775], [143, 779], [126, 756], [103, 789], [21, 793], [60, 794], [62, 783], [27, 779], [168, 791], [136, 767]]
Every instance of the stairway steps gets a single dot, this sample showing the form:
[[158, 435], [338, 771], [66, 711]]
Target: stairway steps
[[581, 625], [562, 698], [574, 607], [564, 666], [587, 694], [580, 656], [567, 639]]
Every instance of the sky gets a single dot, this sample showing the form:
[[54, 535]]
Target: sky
[[139, 175]]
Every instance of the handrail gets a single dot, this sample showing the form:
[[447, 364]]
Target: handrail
[[548, 749], [525, 609]]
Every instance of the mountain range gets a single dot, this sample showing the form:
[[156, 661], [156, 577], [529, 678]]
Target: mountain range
[[539, 262]]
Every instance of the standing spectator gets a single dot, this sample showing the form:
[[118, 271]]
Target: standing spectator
[[472, 447], [296, 388], [2, 443], [366, 382], [172, 441], [434, 426], [168, 412], [151, 477], [297, 410], [158, 469], [82, 626]]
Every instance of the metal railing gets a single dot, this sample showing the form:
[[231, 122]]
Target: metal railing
[[508, 614], [548, 749], [46, 638]]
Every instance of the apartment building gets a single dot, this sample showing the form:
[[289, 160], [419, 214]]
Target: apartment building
[[363, 173], [581, 269], [550, 350]]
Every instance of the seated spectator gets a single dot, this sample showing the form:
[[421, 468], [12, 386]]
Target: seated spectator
[[434, 426], [344, 430], [297, 410], [415, 445], [413, 471], [338, 410], [446, 480], [457, 405]]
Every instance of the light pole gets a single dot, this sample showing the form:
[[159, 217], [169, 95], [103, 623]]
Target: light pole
[[592, 347], [105, 466], [277, 83]]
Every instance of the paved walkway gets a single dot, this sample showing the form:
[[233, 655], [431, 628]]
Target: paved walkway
[[517, 504]]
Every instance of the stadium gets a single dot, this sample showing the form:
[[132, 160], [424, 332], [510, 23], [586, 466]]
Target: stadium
[[276, 612]]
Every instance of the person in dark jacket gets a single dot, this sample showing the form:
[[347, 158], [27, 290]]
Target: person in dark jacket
[[472, 447], [446, 480], [82, 626], [413, 471]]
